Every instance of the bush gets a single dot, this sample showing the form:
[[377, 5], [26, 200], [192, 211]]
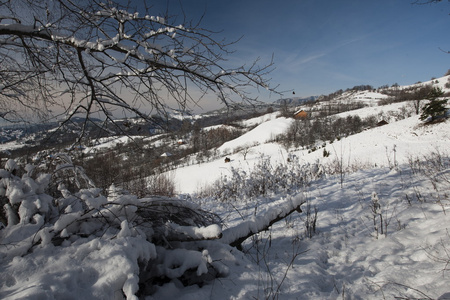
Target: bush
[[264, 180], [161, 185], [145, 234]]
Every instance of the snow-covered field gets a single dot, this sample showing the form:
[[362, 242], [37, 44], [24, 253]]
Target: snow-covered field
[[382, 228]]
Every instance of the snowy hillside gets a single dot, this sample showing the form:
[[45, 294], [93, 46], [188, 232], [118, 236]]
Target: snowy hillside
[[374, 222], [438, 82], [349, 257], [394, 143]]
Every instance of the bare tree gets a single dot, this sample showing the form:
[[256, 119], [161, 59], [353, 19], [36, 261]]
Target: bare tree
[[68, 57], [426, 1]]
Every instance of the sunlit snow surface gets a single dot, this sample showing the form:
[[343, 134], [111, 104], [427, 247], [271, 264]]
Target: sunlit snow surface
[[345, 258]]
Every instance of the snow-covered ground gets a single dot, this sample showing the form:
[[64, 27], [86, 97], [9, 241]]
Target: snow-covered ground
[[382, 227], [348, 257], [394, 143]]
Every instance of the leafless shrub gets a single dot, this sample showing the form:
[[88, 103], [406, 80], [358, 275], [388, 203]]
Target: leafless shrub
[[377, 215], [434, 167], [161, 185], [264, 179], [260, 252], [311, 220], [441, 252]]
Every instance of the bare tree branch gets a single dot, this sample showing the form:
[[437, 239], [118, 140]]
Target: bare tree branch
[[92, 57], [427, 1]]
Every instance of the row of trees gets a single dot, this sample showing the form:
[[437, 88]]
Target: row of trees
[[305, 132], [137, 166], [415, 95]]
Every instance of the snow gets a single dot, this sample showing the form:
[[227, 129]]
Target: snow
[[10, 146], [177, 261], [439, 82], [382, 227], [380, 112], [393, 143], [108, 142], [277, 208], [262, 134], [10, 165], [208, 232], [367, 97], [194, 178], [258, 120], [347, 257]]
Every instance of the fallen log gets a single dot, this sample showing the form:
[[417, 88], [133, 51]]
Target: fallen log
[[235, 236]]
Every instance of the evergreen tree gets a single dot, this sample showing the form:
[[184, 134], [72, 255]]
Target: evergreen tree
[[436, 107]]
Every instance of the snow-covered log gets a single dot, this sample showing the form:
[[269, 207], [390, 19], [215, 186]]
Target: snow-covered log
[[193, 233], [235, 236]]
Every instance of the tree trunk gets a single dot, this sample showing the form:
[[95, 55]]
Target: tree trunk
[[235, 236]]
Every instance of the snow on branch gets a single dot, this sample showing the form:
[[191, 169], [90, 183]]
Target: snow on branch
[[91, 51], [82, 229], [191, 233]]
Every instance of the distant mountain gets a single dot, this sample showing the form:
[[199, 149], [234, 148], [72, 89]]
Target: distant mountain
[[294, 101]]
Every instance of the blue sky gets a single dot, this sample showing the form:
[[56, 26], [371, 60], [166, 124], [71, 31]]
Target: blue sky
[[321, 46]]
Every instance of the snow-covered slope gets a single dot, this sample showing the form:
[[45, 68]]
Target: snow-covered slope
[[394, 143], [438, 82], [348, 257], [261, 134], [381, 229]]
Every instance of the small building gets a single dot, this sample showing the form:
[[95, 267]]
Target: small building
[[382, 122], [166, 154], [300, 114]]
